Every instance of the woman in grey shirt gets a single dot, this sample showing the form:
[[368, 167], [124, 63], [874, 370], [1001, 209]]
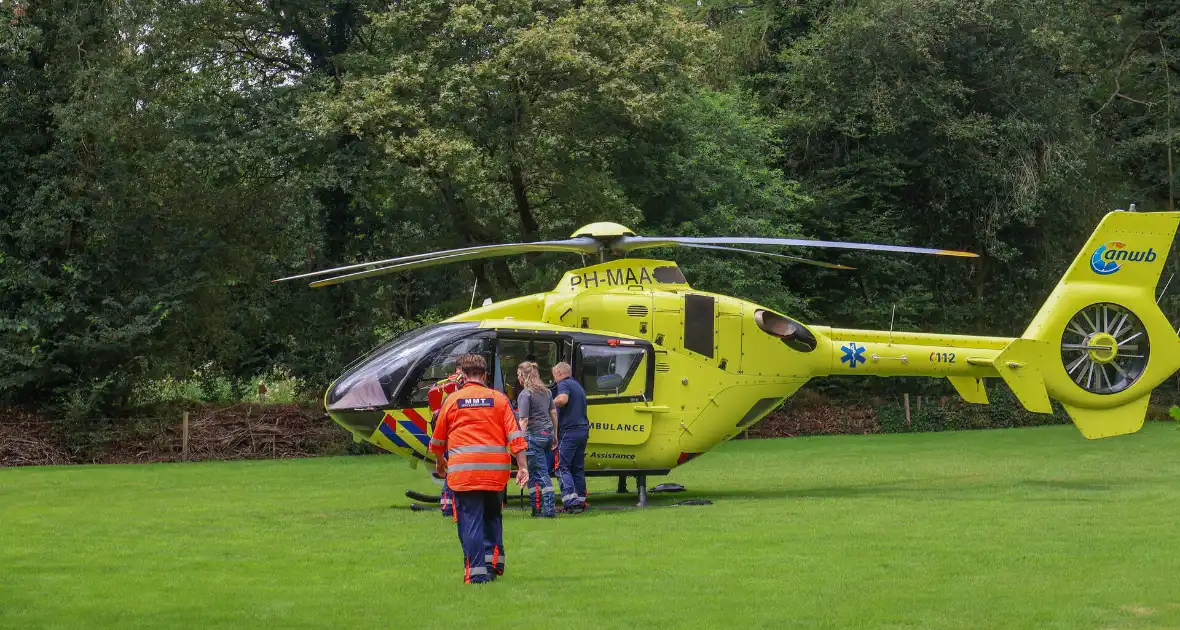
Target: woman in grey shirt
[[538, 416]]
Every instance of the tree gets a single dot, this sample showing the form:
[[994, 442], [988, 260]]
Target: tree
[[946, 125]]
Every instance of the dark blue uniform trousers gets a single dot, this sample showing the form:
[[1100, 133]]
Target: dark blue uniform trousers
[[446, 500], [571, 465], [481, 532]]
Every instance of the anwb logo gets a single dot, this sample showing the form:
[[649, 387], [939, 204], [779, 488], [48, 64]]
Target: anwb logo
[[1109, 257]]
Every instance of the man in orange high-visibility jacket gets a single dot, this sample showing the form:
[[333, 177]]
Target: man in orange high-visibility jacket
[[435, 398], [476, 431]]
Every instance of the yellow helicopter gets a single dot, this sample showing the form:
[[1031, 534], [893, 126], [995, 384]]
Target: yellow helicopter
[[671, 372]]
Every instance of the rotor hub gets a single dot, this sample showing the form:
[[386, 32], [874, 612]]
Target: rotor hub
[[1104, 348], [603, 231]]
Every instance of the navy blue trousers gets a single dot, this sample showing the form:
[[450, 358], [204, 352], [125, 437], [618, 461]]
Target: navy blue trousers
[[481, 532], [447, 500], [571, 465]]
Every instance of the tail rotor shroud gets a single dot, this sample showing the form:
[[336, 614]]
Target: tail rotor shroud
[[1105, 348]]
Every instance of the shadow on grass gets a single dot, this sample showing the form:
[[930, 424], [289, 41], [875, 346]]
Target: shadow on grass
[[927, 489], [947, 488]]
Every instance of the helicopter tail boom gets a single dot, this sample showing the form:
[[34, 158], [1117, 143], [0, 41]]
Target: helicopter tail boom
[[1099, 345]]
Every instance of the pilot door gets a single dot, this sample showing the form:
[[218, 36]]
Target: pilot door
[[618, 377]]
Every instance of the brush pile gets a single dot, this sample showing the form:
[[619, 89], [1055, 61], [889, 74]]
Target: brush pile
[[29, 442], [258, 432], [808, 413], [243, 431]]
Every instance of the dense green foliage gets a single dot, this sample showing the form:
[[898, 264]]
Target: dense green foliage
[[161, 162], [1028, 528]]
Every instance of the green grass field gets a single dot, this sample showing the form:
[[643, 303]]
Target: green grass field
[[1025, 528]]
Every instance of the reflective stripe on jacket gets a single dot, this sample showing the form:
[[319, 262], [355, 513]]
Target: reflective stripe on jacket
[[478, 432]]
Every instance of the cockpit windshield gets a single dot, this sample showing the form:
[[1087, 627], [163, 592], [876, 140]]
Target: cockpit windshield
[[375, 380]]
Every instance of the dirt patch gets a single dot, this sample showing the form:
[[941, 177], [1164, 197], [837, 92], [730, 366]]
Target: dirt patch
[[1140, 611]]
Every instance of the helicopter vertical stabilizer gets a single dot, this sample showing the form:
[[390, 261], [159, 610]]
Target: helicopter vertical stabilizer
[[1100, 344]]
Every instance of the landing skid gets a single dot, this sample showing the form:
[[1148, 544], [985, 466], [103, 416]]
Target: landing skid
[[428, 498], [640, 486]]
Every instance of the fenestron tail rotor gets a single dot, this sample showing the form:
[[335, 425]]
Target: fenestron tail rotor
[[1105, 348], [602, 238]]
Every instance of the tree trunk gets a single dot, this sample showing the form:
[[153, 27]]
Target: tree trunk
[[528, 223]]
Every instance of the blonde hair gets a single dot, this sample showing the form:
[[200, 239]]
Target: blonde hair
[[530, 378]]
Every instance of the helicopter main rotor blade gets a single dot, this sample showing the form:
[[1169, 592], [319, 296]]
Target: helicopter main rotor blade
[[580, 245], [630, 243], [446, 258], [806, 261]]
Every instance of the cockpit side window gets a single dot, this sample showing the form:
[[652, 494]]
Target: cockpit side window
[[443, 365], [375, 381]]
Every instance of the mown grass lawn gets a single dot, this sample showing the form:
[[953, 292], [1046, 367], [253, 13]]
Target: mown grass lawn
[[1026, 528]]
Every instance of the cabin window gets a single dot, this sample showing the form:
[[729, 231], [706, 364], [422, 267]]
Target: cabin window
[[613, 371], [510, 353], [698, 324]]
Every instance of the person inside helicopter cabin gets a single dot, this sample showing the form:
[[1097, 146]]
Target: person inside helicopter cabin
[[435, 398], [538, 416], [573, 431]]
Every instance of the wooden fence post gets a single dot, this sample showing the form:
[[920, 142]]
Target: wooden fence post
[[907, 410], [184, 439]]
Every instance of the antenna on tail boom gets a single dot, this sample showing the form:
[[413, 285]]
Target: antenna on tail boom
[[1157, 300], [891, 316]]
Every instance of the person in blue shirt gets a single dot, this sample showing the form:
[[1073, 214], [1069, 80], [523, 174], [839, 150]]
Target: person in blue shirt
[[573, 431]]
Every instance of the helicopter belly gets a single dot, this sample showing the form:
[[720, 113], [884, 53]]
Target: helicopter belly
[[731, 410]]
